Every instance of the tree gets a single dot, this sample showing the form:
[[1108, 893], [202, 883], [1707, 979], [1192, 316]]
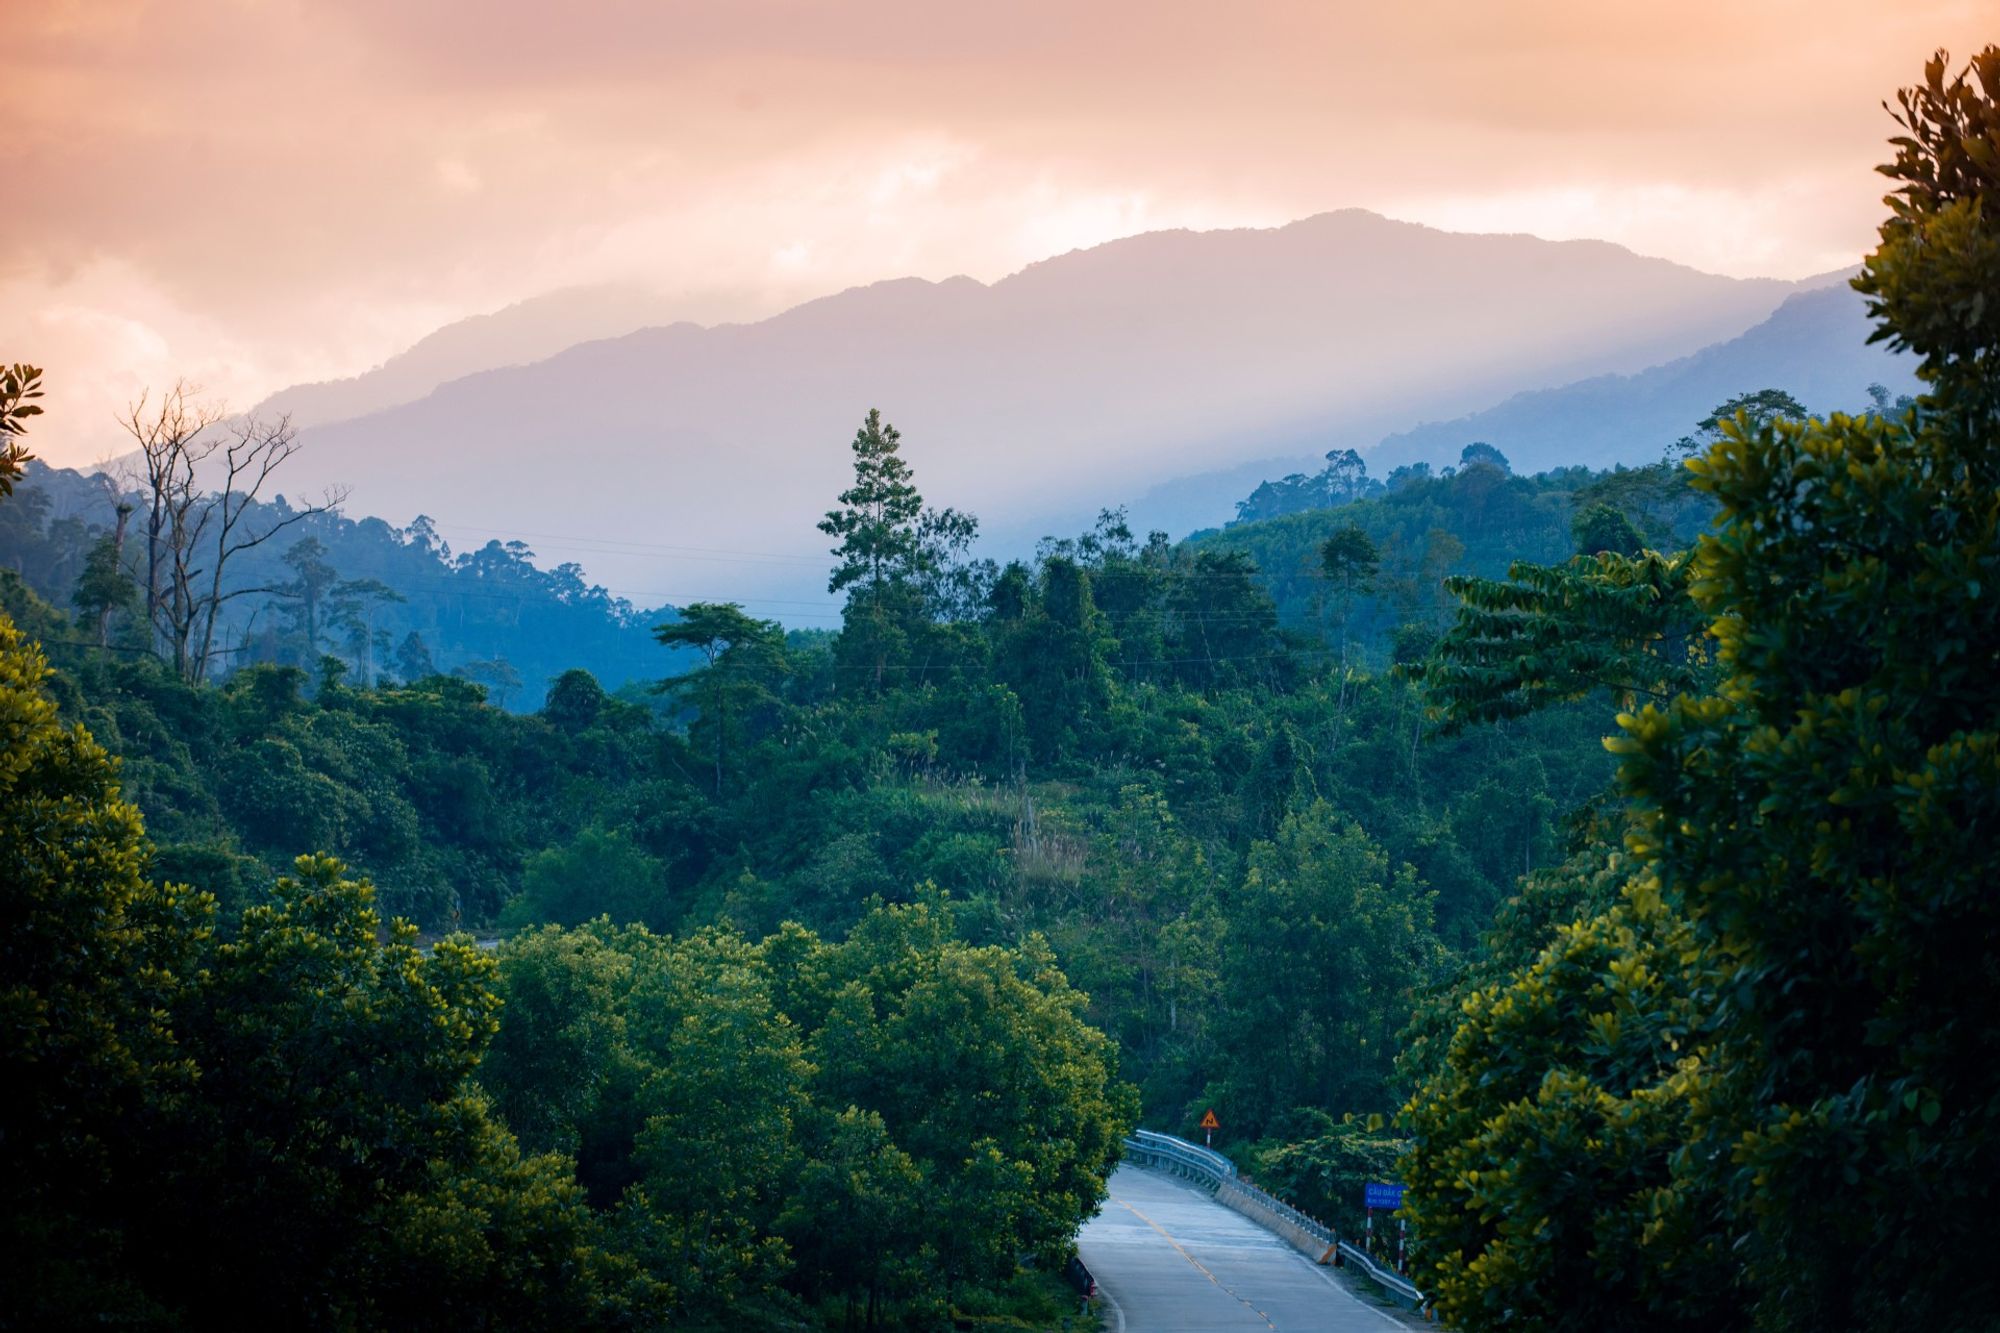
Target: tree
[[1930, 282], [984, 1073], [1052, 654], [1321, 1165], [93, 956], [1327, 947], [496, 674], [413, 659], [1223, 627], [856, 1220], [876, 525], [344, 1170], [1483, 454], [19, 387], [562, 1033], [1349, 561], [353, 610], [1346, 476], [1818, 815], [1541, 1175], [669, 1066], [741, 656], [900, 562], [313, 581], [574, 701], [193, 534], [1757, 408], [105, 586], [1599, 528], [1557, 633], [600, 873], [1768, 1065]]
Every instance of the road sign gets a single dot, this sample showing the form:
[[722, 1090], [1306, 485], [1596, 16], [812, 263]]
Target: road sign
[[1208, 1121], [1382, 1196]]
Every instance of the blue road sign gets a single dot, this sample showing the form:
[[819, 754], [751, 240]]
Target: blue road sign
[[1383, 1196]]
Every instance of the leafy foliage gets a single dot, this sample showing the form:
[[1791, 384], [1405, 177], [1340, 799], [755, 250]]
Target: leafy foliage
[[1623, 624], [1757, 1086], [877, 1122], [19, 387]]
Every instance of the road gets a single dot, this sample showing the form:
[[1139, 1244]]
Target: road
[[1170, 1259]]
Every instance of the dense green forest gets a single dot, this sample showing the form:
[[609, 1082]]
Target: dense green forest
[[835, 965], [1104, 787], [390, 603], [1732, 1065]]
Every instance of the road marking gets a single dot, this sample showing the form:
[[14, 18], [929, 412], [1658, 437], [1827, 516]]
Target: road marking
[[1198, 1265], [1341, 1287], [1117, 1310]]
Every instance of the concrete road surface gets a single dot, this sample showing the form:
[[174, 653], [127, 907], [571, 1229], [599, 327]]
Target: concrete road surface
[[1170, 1259]]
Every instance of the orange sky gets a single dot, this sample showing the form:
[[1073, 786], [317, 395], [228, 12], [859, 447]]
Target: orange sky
[[257, 192]]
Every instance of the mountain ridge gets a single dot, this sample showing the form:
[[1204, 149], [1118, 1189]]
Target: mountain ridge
[[1098, 373], [645, 308]]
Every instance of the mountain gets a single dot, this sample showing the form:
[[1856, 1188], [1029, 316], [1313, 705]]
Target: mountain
[[526, 331], [689, 462], [1814, 346]]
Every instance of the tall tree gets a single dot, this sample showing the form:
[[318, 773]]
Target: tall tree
[[105, 586], [1931, 281], [901, 564], [413, 659], [1822, 816], [1327, 947], [1769, 1065], [93, 956], [876, 524], [193, 534], [1349, 561], [313, 581], [741, 658]]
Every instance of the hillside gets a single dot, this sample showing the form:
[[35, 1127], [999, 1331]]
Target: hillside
[[398, 601], [1814, 346], [684, 462]]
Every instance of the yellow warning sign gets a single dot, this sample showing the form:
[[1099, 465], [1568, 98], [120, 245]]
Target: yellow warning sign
[[1208, 1121]]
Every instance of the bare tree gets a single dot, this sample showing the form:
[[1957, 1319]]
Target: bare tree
[[192, 534], [174, 437]]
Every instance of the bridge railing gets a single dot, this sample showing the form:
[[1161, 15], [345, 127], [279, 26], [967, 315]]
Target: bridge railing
[[1388, 1279], [1191, 1158], [1150, 1148]]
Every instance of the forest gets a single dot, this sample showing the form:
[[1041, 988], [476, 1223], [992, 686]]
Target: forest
[[1603, 852]]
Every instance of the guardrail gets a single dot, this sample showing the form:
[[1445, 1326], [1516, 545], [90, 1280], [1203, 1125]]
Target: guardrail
[[1191, 1158], [1387, 1278], [1150, 1148]]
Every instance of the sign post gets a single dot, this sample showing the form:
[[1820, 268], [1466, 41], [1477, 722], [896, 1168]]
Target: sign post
[[1209, 1124], [1377, 1195]]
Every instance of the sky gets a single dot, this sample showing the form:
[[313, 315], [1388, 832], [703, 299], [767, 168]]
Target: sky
[[255, 193]]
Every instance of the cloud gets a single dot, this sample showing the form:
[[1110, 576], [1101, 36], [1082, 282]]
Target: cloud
[[259, 191]]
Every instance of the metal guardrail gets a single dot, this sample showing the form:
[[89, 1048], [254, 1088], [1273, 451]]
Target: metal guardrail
[[1167, 1150], [1150, 1148], [1387, 1278]]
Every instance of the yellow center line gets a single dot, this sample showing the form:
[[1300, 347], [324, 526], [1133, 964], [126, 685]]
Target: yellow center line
[[1198, 1265]]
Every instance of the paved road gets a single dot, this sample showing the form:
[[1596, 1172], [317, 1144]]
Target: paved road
[[1170, 1259]]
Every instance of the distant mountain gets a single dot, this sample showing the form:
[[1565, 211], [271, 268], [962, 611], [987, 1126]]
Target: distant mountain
[[683, 463], [1814, 346], [529, 330]]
